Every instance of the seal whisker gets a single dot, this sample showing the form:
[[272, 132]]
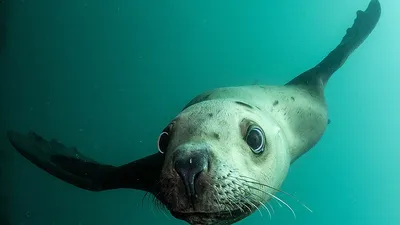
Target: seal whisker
[[144, 196], [251, 204], [159, 205], [272, 208], [220, 205], [218, 202], [238, 206], [263, 205], [279, 204], [217, 197], [230, 201], [152, 205], [266, 208], [248, 208], [255, 206], [275, 197], [276, 189], [155, 202], [151, 198]]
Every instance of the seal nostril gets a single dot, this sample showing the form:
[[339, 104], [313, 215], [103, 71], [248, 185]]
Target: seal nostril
[[189, 165]]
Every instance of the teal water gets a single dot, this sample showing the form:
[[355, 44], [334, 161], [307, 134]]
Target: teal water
[[107, 76]]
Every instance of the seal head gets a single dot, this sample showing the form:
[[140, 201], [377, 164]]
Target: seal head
[[221, 157]]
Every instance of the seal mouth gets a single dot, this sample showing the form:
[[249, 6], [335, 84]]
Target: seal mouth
[[206, 214], [210, 217]]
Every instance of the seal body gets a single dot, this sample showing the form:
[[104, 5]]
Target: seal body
[[216, 123], [226, 154]]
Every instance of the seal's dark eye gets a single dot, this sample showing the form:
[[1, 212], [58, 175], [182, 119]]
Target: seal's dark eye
[[163, 141], [255, 139]]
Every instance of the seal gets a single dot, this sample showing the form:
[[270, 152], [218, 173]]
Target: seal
[[226, 154]]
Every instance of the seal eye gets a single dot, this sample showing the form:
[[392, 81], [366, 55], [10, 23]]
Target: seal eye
[[255, 139], [162, 142]]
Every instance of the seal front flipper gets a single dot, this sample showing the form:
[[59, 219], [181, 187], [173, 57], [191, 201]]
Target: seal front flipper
[[67, 164], [363, 25]]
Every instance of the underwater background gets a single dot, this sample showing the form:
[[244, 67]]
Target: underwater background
[[107, 76]]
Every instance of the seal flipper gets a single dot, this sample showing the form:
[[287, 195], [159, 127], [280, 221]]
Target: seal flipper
[[363, 25], [67, 164]]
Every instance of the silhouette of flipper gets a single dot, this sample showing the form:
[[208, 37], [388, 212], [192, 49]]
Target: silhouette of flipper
[[316, 78], [69, 165]]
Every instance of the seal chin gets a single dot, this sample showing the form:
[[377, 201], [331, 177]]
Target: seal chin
[[210, 218]]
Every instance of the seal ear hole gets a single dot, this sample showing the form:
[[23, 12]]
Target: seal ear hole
[[163, 141], [255, 138]]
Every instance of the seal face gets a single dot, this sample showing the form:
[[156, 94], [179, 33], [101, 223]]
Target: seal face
[[229, 150], [219, 158]]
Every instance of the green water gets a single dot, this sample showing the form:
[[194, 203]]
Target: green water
[[107, 76]]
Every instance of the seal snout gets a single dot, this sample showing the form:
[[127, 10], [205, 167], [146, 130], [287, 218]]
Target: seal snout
[[189, 164]]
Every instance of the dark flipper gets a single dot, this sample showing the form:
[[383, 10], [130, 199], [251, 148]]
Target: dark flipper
[[363, 25], [67, 164]]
